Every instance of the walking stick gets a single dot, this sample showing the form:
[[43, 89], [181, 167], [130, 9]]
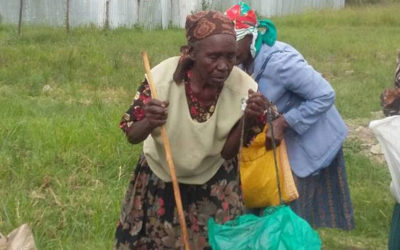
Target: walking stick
[[167, 148]]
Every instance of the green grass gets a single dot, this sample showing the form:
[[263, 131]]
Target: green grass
[[370, 2], [373, 204], [64, 164], [355, 49]]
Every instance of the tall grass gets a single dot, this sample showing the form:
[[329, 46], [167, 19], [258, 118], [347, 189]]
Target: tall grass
[[64, 164]]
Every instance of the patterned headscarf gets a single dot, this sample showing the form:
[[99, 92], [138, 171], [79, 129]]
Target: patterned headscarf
[[206, 23], [199, 26], [245, 19]]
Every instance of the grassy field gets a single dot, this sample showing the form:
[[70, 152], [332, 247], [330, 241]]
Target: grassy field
[[370, 2], [64, 164]]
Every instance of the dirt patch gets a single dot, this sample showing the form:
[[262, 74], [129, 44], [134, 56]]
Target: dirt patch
[[359, 131]]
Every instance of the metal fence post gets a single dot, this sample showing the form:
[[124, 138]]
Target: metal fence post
[[107, 21], [21, 6], [67, 17]]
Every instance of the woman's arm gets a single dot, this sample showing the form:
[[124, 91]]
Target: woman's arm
[[155, 116], [255, 106], [303, 80], [232, 144], [143, 116]]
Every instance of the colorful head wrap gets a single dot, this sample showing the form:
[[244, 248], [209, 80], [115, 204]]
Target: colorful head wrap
[[206, 23], [199, 26], [245, 19]]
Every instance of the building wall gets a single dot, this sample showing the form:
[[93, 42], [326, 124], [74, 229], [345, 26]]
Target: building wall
[[148, 13]]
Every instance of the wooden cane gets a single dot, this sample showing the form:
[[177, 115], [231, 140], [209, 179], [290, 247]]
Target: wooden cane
[[167, 148]]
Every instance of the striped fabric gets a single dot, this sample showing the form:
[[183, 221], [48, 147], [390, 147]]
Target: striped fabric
[[325, 198], [397, 72]]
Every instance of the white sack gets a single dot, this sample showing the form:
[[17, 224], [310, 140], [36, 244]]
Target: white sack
[[387, 131]]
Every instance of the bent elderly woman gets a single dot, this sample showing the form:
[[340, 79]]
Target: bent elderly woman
[[200, 104], [308, 119]]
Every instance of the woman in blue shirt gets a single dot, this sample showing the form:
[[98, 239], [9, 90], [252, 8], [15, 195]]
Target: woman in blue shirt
[[310, 123]]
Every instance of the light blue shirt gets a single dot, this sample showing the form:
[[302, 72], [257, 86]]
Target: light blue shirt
[[306, 100]]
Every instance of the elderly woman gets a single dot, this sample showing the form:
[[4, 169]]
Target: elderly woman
[[200, 104], [308, 120]]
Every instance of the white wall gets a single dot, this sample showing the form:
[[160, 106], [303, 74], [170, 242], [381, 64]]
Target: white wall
[[148, 13]]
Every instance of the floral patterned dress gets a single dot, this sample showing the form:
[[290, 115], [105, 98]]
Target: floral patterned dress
[[149, 219]]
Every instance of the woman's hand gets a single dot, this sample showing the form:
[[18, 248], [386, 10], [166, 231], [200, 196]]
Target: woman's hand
[[156, 113], [256, 104], [155, 116], [279, 125]]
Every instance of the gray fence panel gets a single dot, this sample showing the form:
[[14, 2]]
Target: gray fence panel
[[86, 12], [165, 13], [147, 13], [150, 13], [123, 13], [9, 11]]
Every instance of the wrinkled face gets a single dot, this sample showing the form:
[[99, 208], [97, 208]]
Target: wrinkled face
[[243, 55], [214, 58]]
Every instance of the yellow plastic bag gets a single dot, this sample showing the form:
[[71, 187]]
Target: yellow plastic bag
[[258, 174]]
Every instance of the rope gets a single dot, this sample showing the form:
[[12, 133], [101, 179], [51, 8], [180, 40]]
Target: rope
[[240, 149], [269, 119]]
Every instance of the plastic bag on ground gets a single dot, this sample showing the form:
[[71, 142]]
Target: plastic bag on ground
[[278, 229]]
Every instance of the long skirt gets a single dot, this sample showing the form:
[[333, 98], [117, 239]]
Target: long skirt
[[394, 238], [149, 219], [324, 198]]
